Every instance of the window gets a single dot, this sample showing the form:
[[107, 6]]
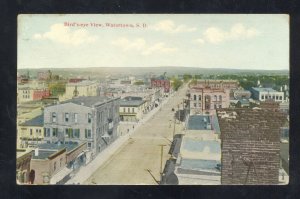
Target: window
[[69, 133], [88, 133], [54, 166], [66, 133], [60, 162], [276, 97], [53, 117], [30, 131], [220, 106], [128, 110], [47, 132], [216, 98], [66, 117], [54, 132], [273, 97], [195, 104], [75, 117], [89, 118], [133, 110], [76, 133], [280, 97], [124, 110], [89, 145], [199, 97], [220, 97], [195, 97], [215, 106], [262, 97]]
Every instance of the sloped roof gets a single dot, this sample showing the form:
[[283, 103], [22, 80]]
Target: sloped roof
[[37, 121]]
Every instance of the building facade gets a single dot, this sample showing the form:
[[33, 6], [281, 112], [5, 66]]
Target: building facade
[[81, 88], [218, 84], [207, 100], [50, 160], [263, 94], [161, 83], [27, 93], [83, 119], [132, 109], [31, 132]]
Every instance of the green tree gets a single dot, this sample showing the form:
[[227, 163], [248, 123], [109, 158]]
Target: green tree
[[57, 88], [176, 84]]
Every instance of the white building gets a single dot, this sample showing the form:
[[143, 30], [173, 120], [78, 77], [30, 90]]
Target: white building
[[262, 94], [83, 88], [83, 119]]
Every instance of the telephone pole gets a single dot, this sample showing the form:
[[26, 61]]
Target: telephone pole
[[161, 159]]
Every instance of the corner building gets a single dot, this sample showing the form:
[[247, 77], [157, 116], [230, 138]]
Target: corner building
[[93, 120]]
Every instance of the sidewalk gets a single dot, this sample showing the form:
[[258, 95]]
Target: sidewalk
[[85, 172]]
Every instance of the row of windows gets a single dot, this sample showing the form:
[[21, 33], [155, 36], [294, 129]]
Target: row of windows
[[215, 106], [129, 110], [271, 97], [37, 131], [26, 96], [215, 97], [69, 133], [67, 117]]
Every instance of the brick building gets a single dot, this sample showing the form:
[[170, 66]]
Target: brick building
[[161, 83], [215, 83], [250, 145], [202, 100]]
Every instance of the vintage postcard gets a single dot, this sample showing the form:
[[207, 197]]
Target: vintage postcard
[[153, 99]]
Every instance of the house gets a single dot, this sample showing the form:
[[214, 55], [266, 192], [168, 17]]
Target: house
[[52, 160], [31, 132], [132, 109], [91, 119]]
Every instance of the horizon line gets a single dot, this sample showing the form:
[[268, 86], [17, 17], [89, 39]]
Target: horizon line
[[154, 67]]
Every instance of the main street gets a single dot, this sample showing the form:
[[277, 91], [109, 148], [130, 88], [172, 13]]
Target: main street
[[138, 160]]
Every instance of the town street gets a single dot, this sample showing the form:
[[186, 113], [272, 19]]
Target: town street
[[138, 160]]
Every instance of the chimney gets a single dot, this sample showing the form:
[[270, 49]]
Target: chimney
[[36, 152]]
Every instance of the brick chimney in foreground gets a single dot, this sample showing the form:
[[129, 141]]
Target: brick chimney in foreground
[[250, 142]]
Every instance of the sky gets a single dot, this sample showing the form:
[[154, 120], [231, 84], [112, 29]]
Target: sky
[[248, 41]]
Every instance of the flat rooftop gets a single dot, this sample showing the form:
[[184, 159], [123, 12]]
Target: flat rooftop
[[198, 122], [88, 101], [264, 89], [47, 149]]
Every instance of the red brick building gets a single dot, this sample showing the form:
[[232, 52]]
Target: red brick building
[[161, 83], [250, 142], [40, 94]]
